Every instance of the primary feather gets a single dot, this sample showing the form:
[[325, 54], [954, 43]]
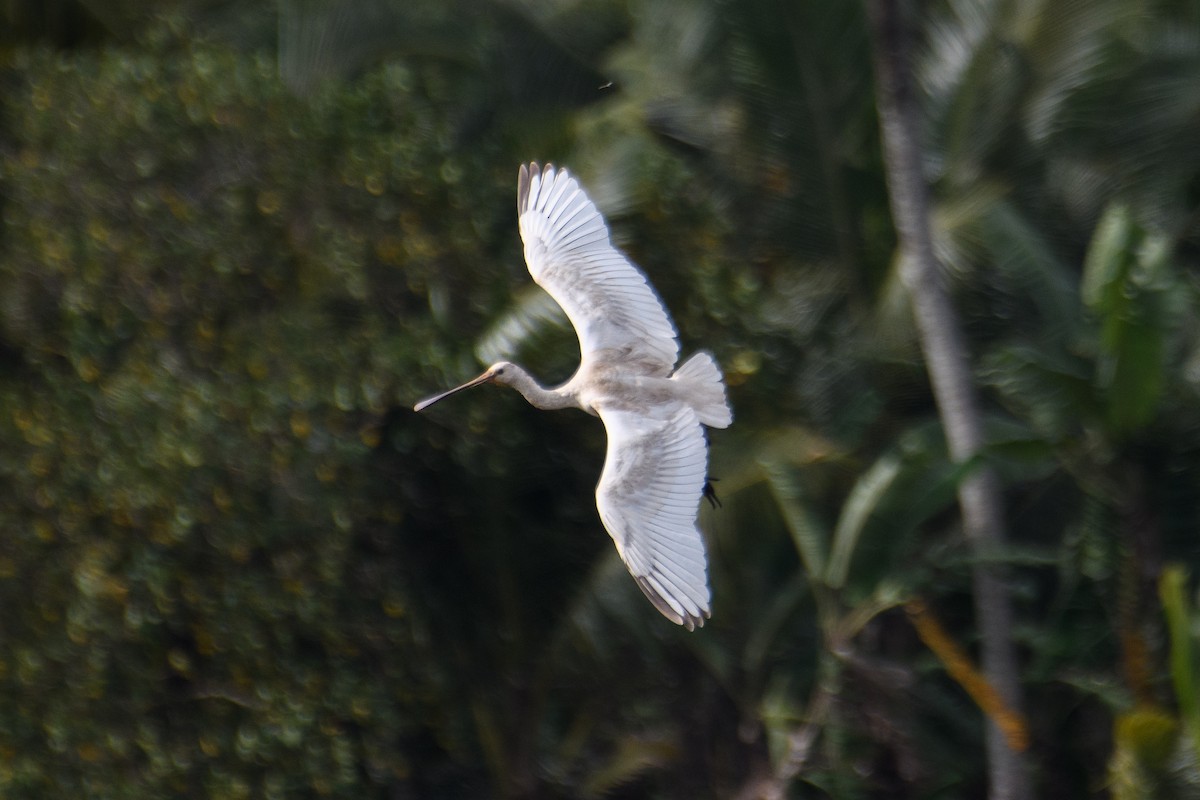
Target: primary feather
[[648, 495], [607, 298]]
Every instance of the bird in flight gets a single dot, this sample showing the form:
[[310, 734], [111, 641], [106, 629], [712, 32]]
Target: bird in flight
[[657, 458]]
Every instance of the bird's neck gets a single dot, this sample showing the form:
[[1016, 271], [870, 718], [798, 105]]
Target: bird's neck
[[539, 396]]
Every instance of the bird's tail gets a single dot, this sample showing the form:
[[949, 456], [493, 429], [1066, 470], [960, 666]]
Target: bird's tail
[[703, 377]]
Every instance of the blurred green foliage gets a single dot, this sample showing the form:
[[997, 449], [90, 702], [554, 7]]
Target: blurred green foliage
[[214, 296], [1154, 752], [234, 251]]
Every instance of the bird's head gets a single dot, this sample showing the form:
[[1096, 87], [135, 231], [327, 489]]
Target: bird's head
[[500, 373]]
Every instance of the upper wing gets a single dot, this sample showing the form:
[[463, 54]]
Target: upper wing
[[606, 297], [648, 497]]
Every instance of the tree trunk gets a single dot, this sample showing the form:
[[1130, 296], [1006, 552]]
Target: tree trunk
[[945, 354]]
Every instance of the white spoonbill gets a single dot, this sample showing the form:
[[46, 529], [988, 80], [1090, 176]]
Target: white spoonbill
[[654, 471]]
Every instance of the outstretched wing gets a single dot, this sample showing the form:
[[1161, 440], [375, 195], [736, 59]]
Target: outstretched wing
[[648, 497], [606, 297]]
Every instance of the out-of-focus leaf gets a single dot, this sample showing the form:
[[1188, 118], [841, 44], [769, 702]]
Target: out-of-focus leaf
[[1020, 250], [1065, 43], [1153, 759], [532, 313], [809, 536], [1137, 378], [1143, 741], [1127, 284], [861, 503], [1184, 675], [980, 78], [1109, 259], [1052, 391]]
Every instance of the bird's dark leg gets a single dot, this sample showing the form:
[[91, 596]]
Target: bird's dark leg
[[710, 492]]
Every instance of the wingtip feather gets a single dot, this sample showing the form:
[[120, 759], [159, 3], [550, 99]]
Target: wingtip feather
[[523, 179], [567, 246], [678, 616]]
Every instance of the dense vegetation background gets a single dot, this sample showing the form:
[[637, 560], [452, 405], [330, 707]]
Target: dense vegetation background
[[239, 240]]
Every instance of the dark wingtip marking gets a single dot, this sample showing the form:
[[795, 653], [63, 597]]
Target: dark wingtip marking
[[690, 621], [524, 178]]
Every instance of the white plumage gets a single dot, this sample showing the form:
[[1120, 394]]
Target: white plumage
[[569, 254], [654, 472]]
